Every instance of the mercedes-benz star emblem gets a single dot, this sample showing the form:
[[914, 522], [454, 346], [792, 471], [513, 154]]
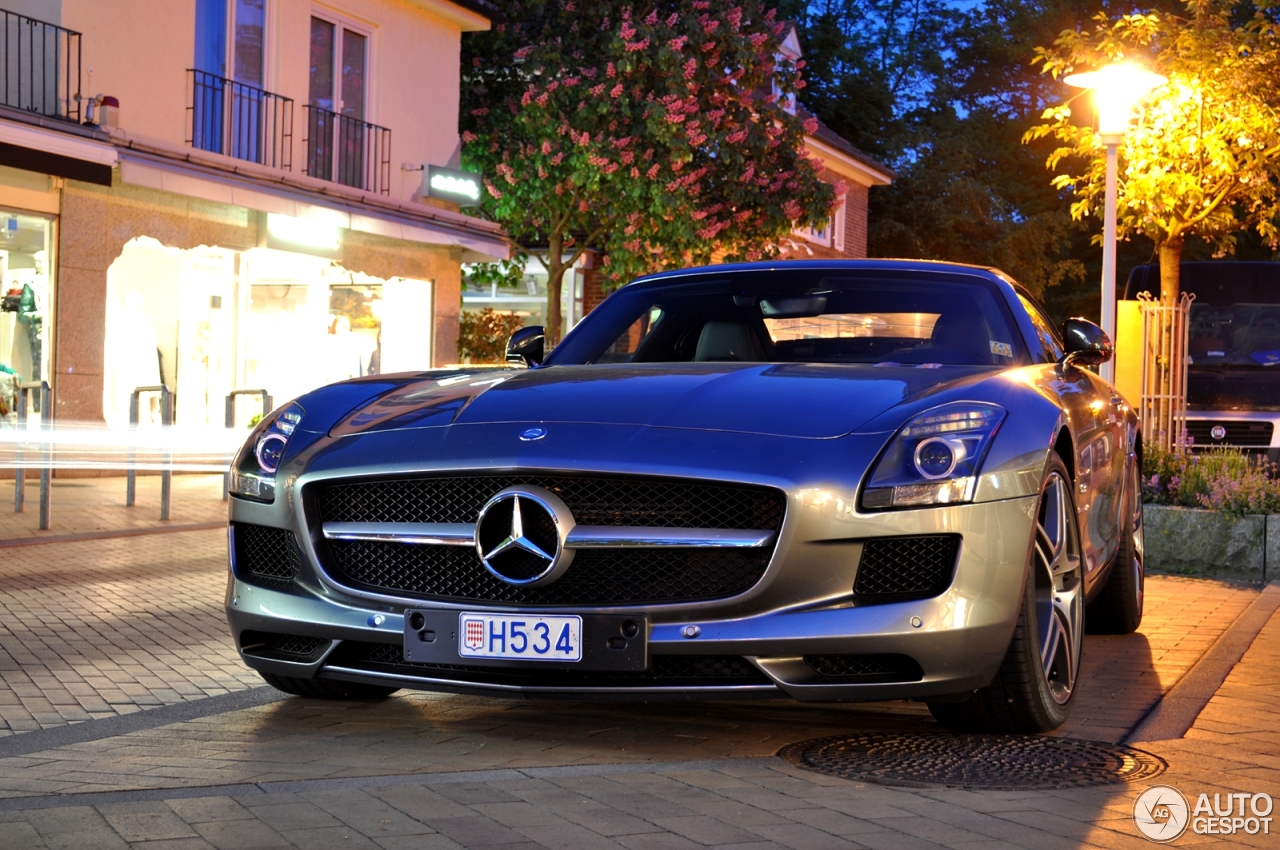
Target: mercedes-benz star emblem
[[520, 535]]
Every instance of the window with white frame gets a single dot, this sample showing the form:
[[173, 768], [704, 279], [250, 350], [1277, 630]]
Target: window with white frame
[[338, 101], [830, 234]]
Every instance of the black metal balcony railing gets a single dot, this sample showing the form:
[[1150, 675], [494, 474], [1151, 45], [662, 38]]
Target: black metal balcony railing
[[39, 67], [239, 120], [347, 150]]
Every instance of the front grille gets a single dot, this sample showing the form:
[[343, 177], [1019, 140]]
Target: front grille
[[630, 502], [866, 668], [665, 670], [1238, 433], [596, 576], [264, 554], [899, 568], [283, 647]]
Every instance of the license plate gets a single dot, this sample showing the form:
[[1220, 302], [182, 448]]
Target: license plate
[[527, 637]]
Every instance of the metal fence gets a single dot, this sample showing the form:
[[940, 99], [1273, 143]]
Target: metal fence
[[1163, 406], [347, 150], [39, 67], [239, 120]]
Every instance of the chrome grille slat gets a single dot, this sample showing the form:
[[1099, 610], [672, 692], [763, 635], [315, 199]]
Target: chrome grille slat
[[742, 520]]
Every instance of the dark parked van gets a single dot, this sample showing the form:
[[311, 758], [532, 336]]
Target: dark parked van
[[1233, 380]]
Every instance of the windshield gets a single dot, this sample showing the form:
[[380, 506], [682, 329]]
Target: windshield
[[802, 316], [1235, 334]]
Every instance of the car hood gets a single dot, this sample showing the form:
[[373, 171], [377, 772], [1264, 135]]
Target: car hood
[[792, 400]]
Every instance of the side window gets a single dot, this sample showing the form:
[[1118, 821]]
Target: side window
[[1050, 347], [624, 347]]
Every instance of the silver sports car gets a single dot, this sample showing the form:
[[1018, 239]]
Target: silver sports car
[[827, 480]]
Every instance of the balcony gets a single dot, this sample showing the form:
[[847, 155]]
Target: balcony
[[39, 67], [239, 120], [346, 150]]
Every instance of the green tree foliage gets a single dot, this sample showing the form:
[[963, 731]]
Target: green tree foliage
[[1204, 160], [943, 93], [483, 335], [654, 132]]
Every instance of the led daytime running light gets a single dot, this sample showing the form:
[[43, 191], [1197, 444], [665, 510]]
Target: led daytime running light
[[949, 423]]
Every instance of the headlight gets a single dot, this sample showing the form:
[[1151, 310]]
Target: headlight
[[934, 459], [253, 473]]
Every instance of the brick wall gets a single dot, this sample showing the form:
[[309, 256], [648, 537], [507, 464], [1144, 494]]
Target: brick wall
[[855, 221]]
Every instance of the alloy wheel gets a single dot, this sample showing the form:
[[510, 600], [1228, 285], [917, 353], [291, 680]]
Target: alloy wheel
[[1059, 588]]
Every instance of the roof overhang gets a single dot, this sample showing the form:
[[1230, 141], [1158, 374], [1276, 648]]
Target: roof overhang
[[51, 151], [468, 15], [480, 241], [846, 165]]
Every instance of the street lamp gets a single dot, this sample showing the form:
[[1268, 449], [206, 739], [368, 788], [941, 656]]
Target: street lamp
[[1116, 90]]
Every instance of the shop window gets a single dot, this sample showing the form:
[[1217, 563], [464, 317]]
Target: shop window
[[27, 307], [206, 321]]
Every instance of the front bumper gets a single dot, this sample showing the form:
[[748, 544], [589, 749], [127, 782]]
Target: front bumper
[[802, 607]]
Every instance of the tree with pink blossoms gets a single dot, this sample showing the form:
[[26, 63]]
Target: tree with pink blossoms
[[655, 133]]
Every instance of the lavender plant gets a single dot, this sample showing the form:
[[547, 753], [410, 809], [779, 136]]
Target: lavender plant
[[1220, 479]]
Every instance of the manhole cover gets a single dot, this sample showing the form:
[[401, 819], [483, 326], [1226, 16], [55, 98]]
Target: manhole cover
[[973, 761]]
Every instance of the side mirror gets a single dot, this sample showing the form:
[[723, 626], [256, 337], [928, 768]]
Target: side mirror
[[526, 345], [1087, 344]]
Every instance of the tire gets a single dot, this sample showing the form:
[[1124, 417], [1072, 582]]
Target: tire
[[1117, 608], [326, 688], [1033, 690]]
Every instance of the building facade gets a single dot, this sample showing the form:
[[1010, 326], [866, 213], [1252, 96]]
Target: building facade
[[224, 196]]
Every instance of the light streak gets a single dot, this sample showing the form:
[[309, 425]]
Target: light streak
[[150, 448]]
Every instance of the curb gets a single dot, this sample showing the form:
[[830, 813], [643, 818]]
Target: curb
[[1176, 712]]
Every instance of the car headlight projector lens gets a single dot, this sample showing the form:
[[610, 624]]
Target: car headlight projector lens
[[934, 458], [253, 473]]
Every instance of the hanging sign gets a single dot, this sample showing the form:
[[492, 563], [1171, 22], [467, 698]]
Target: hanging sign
[[460, 187]]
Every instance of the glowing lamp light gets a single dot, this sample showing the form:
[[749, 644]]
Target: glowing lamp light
[[1116, 90], [308, 233]]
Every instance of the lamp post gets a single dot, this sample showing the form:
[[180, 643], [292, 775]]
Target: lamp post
[[1116, 90]]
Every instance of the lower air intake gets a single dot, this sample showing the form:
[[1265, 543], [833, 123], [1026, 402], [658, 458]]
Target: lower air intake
[[265, 555], [895, 569]]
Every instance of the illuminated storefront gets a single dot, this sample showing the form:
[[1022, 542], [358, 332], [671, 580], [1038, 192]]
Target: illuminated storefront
[[208, 320], [528, 298], [26, 254]]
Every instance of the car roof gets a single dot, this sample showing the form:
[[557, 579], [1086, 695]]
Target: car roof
[[826, 265]]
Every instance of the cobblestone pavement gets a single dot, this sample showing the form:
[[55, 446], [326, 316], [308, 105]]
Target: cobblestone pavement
[[92, 631]]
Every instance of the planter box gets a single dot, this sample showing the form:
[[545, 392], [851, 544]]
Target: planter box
[[1192, 541]]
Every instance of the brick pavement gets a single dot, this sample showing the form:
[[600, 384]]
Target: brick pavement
[[89, 505], [538, 774], [97, 628]]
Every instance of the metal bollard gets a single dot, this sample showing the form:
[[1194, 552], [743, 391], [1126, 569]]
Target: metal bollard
[[231, 423], [19, 477], [166, 475]]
